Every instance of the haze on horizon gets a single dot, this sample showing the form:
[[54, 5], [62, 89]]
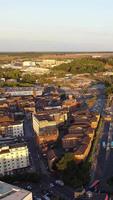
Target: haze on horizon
[[56, 25]]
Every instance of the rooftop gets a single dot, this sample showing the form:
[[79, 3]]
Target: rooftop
[[10, 192], [10, 89], [44, 117]]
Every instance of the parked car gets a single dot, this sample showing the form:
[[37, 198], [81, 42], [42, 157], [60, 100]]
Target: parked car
[[112, 144], [51, 185], [59, 182], [46, 197]]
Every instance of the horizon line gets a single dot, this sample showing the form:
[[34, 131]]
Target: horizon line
[[75, 52]]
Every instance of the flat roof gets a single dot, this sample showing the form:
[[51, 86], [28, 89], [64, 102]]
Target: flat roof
[[17, 89], [15, 123], [44, 117], [10, 192], [5, 147]]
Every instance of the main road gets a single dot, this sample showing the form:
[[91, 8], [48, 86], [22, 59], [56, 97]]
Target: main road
[[104, 167]]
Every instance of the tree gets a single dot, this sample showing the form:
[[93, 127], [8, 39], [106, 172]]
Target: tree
[[63, 163], [73, 174], [81, 65], [28, 78]]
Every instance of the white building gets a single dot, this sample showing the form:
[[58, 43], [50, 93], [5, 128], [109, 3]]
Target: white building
[[11, 192], [24, 91], [17, 129], [12, 128], [49, 63], [41, 122], [29, 64], [13, 157]]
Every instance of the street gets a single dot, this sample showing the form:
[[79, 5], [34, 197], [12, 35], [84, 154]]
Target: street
[[104, 169], [39, 166]]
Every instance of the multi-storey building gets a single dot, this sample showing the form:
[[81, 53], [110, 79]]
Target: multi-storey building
[[71, 140], [42, 121], [29, 63], [13, 157], [60, 116], [83, 151], [11, 192], [24, 91], [12, 128], [45, 128]]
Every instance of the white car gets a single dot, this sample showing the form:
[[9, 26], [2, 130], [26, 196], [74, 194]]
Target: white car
[[29, 187], [51, 185], [46, 197], [59, 182], [36, 198], [107, 148]]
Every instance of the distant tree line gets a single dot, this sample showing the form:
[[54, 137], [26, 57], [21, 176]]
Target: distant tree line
[[81, 65], [22, 80]]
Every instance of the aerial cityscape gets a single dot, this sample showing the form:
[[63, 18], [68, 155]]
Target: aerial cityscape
[[56, 100]]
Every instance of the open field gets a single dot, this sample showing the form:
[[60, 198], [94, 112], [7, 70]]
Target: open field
[[9, 56]]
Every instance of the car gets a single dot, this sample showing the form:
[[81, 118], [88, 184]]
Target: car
[[51, 185], [29, 187], [111, 144], [59, 182], [38, 155], [107, 148], [66, 150], [46, 197], [103, 144], [36, 198], [44, 154]]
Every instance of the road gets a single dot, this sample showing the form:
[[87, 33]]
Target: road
[[35, 156], [39, 166], [104, 168], [101, 159]]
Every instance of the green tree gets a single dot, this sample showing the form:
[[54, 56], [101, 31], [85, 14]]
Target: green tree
[[81, 65], [73, 174], [63, 163]]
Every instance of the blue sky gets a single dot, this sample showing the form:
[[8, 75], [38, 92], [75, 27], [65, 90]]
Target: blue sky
[[56, 25]]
